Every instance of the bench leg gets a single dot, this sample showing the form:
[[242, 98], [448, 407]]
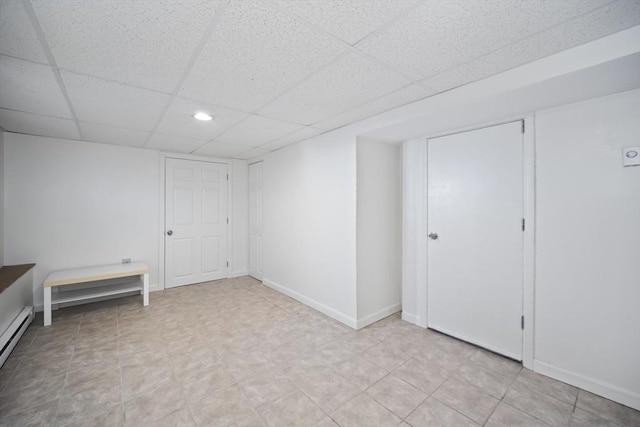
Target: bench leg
[[145, 289], [47, 306]]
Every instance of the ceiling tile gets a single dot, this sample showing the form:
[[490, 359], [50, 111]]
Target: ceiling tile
[[256, 130], [177, 144], [112, 135], [178, 120], [32, 124], [441, 34], [17, 36], [347, 83], [350, 20], [145, 43], [297, 136], [254, 152], [215, 149], [590, 26], [100, 101], [254, 54], [31, 87], [386, 102]]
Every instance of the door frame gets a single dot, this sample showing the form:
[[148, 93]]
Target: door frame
[[162, 207], [528, 250], [249, 217]]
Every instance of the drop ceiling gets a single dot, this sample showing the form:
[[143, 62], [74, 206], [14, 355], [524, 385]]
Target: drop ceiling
[[271, 72]]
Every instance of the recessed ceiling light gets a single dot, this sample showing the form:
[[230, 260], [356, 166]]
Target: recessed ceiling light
[[202, 116]]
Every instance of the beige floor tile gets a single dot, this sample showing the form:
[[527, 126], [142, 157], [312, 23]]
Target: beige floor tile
[[250, 420], [208, 381], [607, 409], [546, 408], [326, 388], [422, 376], [39, 415], [508, 416], [545, 385], [138, 379], [386, 357], [396, 395], [326, 422], [82, 415], [490, 381], [294, 409], [440, 359], [500, 364], [360, 372], [363, 411], [583, 418], [266, 387], [220, 409], [157, 403], [31, 392], [435, 413], [466, 399], [180, 418]]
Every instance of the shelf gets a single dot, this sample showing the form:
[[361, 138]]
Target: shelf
[[95, 292]]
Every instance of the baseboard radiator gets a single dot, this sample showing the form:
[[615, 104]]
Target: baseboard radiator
[[14, 332]]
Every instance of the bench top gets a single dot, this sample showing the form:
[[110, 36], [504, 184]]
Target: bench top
[[91, 274]]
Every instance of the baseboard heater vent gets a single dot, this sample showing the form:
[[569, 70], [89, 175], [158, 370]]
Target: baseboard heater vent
[[14, 332]]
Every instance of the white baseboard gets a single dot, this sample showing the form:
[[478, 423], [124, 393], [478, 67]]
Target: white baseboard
[[238, 274], [378, 315], [340, 317], [415, 319], [592, 385]]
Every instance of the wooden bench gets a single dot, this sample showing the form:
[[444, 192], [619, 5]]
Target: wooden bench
[[92, 274]]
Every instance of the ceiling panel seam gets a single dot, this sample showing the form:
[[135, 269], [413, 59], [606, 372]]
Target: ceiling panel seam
[[348, 46], [52, 61], [192, 60], [497, 49]]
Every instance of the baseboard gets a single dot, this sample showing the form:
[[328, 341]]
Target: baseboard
[[238, 274], [378, 315], [340, 317], [592, 385], [415, 319]]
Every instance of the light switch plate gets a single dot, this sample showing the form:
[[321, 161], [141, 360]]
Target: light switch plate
[[631, 156]]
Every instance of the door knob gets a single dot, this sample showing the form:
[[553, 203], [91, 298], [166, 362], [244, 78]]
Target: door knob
[[433, 236], [169, 233]]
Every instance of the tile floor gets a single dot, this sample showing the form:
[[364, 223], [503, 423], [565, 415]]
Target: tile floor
[[234, 352]]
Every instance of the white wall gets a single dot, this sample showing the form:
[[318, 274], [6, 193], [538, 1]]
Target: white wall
[[378, 231], [73, 204], [309, 236], [588, 246], [1, 198], [239, 218]]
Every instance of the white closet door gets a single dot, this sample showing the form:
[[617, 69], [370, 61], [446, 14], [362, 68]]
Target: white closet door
[[475, 211], [255, 220], [196, 222]]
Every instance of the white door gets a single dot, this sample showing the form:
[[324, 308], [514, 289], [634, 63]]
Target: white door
[[195, 222], [475, 226], [255, 220]]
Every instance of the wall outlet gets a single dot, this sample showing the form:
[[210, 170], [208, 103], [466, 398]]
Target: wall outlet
[[126, 260]]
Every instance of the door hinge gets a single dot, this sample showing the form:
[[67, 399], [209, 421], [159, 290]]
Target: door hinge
[[523, 126], [522, 224], [227, 177], [227, 263], [227, 220], [521, 322]]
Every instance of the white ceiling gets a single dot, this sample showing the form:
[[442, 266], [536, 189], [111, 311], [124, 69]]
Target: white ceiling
[[271, 72]]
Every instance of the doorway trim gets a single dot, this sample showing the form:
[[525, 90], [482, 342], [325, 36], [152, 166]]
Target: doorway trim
[[416, 266], [162, 206]]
